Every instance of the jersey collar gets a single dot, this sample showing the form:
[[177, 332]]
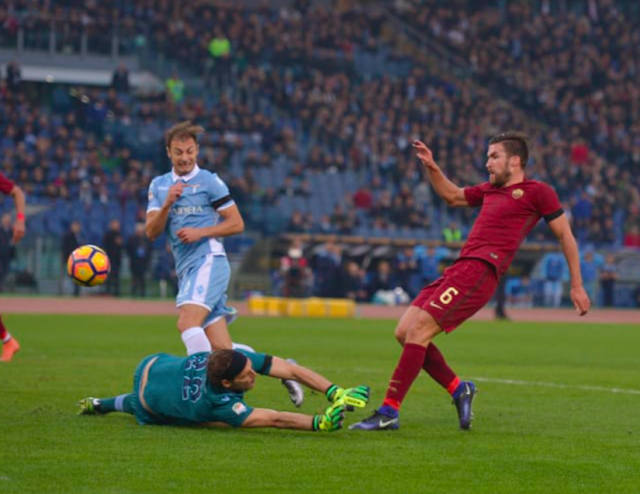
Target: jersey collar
[[187, 177]]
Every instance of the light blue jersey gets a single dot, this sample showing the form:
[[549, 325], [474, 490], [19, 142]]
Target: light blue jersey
[[197, 207]]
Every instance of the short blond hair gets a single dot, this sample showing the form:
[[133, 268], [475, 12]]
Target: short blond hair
[[182, 131]]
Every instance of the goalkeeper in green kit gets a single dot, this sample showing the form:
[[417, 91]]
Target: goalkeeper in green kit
[[207, 389]]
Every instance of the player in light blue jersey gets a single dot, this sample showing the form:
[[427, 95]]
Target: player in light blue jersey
[[195, 209]]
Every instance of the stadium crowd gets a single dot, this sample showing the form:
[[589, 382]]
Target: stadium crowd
[[287, 96], [572, 64]]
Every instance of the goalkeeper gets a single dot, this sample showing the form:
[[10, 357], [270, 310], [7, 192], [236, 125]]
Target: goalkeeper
[[208, 389]]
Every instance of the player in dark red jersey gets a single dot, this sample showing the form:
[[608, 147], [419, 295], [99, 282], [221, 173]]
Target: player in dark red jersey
[[511, 206], [9, 345]]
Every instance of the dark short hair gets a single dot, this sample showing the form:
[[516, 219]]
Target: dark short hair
[[182, 131], [224, 365], [515, 144]]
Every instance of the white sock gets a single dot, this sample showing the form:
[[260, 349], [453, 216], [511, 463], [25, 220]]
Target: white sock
[[240, 346], [8, 337], [195, 340], [119, 403]]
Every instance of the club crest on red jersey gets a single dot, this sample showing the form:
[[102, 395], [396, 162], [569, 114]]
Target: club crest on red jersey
[[517, 194]]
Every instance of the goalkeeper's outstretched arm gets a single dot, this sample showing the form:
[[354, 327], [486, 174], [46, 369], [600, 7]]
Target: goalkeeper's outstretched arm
[[351, 397], [282, 369], [329, 421]]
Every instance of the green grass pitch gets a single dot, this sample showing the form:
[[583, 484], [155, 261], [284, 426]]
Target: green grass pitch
[[547, 419]]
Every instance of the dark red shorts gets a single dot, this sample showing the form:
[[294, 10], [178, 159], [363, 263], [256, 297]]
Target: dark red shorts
[[463, 289]]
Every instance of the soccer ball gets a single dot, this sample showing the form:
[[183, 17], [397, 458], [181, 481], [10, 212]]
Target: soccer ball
[[88, 265]]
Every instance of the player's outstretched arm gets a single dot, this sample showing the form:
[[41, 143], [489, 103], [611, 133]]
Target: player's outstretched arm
[[19, 226], [445, 188], [350, 397], [562, 230], [329, 421], [282, 369]]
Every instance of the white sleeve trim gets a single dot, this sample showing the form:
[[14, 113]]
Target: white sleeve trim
[[226, 205]]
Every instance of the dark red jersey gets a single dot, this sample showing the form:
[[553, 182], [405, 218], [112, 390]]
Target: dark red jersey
[[508, 214], [6, 185]]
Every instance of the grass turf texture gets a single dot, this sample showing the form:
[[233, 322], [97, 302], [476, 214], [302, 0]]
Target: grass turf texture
[[525, 439]]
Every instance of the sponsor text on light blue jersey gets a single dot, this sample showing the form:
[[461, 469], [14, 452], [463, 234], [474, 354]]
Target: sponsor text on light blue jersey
[[204, 195]]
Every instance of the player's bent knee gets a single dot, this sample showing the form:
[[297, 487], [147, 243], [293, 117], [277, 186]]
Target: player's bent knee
[[191, 316], [407, 319], [422, 329], [400, 334], [187, 321], [182, 325]]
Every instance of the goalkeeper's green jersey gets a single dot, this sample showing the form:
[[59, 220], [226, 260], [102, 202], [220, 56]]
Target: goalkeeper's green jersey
[[177, 391]]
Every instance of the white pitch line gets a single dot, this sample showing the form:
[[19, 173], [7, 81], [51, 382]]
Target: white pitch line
[[558, 385], [515, 382]]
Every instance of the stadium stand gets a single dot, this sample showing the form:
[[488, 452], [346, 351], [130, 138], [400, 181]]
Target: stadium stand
[[310, 114]]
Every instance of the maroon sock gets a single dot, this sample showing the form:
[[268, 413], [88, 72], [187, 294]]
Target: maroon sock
[[436, 366], [406, 372], [3, 331]]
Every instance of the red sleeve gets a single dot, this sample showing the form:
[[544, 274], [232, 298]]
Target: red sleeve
[[475, 195], [547, 202], [6, 185]]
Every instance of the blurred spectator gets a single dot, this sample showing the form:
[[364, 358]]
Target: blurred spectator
[[589, 267], [582, 211], [579, 152], [175, 88], [363, 199], [452, 233], [297, 223], [113, 246], [7, 250], [295, 271], [70, 242], [302, 6], [139, 251], [289, 188], [354, 283], [553, 275], [429, 263], [632, 237], [327, 269], [14, 76], [120, 79], [305, 189], [220, 62], [501, 299], [408, 271], [165, 272], [521, 294], [325, 226], [381, 280], [608, 277], [636, 296], [338, 217]]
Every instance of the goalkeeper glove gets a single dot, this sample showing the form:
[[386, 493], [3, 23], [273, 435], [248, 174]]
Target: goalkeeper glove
[[351, 397], [330, 420]]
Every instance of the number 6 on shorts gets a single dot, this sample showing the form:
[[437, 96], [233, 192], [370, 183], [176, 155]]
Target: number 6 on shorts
[[448, 294]]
